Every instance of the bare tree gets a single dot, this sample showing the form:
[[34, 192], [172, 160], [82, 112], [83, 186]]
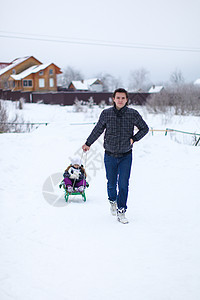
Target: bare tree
[[184, 100], [69, 74], [176, 78], [139, 79], [187, 100], [110, 83]]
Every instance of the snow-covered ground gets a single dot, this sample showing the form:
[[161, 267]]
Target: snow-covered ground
[[77, 251]]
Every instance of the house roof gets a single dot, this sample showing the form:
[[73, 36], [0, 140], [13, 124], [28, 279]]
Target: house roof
[[31, 70], [79, 85], [84, 84], [197, 81], [90, 82], [13, 64], [156, 89], [3, 65]]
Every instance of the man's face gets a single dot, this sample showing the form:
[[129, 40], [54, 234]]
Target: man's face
[[120, 100]]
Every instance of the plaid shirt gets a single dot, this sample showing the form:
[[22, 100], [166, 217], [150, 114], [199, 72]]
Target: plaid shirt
[[119, 129]]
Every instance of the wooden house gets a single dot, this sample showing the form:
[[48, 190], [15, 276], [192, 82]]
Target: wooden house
[[29, 74], [15, 67]]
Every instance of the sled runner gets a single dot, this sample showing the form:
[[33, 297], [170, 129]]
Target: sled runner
[[74, 192]]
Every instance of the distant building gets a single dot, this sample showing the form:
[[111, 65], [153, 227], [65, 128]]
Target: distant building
[[78, 85], [29, 74], [156, 89], [94, 85]]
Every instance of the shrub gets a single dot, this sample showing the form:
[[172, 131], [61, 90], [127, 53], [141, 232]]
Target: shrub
[[15, 124], [181, 100]]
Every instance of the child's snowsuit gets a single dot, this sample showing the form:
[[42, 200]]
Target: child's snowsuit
[[75, 177]]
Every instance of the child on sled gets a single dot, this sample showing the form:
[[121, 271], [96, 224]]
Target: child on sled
[[75, 177]]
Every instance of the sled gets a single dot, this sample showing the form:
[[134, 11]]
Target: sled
[[67, 194]]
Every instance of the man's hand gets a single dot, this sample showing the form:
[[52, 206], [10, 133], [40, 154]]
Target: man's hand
[[85, 148]]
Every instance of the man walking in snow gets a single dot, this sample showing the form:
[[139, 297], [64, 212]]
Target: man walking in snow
[[118, 122]]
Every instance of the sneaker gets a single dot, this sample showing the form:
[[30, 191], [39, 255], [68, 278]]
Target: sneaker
[[80, 189], [113, 207], [121, 216], [70, 189]]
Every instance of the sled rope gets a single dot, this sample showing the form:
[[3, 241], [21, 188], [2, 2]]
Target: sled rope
[[83, 163]]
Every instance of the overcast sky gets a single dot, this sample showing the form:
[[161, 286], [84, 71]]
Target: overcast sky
[[133, 25]]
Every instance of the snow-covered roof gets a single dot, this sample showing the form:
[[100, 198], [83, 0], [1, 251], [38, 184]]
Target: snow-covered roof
[[31, 70], [13, 64], [89, 82], [197, 81], [156, 89], [84, 84], [79, 85], [3, 65]]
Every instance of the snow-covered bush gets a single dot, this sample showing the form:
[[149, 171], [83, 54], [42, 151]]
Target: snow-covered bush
[[78, 105], [3, 118], [14, 124], [82, 106], [90, 103], [102, 104], [21, 102]]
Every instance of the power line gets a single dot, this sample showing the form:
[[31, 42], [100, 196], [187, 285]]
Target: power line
[[78, 41]]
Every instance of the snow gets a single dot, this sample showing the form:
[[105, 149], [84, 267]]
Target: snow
[[156, 89], [79, 85], [3, 65], [78, 251], [197, 81], [13, 64], [33, 69], [24, 73], [87, 84]]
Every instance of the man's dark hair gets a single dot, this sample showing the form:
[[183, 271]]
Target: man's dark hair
[[120, 90]]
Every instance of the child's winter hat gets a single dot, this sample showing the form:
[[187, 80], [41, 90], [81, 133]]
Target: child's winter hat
[[76, 161]]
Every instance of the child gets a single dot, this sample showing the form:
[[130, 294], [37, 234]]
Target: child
[[75, 176]]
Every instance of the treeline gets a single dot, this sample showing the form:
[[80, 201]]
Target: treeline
[[179, 100]]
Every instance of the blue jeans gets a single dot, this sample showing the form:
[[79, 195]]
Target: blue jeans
[[118, 171]]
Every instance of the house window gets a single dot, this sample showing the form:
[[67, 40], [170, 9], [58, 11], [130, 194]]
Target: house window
[[13, 84], [41, 83], [51, 82], [27, 83], [41, 73], [51, 72], [13, 71], [6, 85]]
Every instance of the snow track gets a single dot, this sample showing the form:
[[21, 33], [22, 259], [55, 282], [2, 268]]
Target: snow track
[[79, 251]]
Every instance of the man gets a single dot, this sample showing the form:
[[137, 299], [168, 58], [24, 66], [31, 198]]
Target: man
[[118, 122]]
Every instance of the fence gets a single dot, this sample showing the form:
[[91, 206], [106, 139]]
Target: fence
[[194, 137], [20, 127], [68, 97]]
